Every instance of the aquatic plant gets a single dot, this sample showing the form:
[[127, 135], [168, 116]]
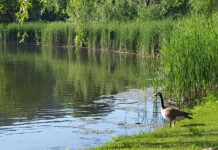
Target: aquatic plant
[[1, 32], [59, 33], [13, 32], [139, 37], [190, 56]]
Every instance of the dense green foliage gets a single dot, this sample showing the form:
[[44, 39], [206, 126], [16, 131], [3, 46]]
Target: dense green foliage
[[100, 10], [198, 133], [14, 32], [191, 57], [141, 37], [59, 33], [32, 10], [207, 7]]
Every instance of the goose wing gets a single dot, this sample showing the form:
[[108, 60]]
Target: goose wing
[[176, 112]]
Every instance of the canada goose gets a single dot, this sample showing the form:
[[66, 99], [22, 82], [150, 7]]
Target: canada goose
[[172, 114]]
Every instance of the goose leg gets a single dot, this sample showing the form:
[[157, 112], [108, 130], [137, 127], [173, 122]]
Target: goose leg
[[170, 124], [174, 123]]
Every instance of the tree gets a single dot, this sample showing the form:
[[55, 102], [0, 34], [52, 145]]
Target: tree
[[23, 10], [175, 7], [204, 6], [8, 10], [23, 13]]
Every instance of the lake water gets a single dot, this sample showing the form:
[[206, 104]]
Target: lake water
[[54, 98]]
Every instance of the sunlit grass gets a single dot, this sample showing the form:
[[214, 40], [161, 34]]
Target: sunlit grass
[[200, 132], [191, 57], [139, 37]]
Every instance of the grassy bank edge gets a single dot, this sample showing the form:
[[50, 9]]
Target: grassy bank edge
[[200, 132]]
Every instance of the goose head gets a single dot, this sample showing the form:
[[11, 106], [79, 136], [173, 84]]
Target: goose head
[[158, 94]]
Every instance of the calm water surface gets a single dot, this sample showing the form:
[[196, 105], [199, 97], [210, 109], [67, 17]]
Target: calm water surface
[[53, 99]]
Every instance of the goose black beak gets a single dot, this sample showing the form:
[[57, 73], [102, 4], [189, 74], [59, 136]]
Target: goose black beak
[[155, 95]]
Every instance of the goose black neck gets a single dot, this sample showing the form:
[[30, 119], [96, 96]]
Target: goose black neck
[[162, 102]]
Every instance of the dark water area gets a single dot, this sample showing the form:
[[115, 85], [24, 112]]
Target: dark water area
[[54, 98]]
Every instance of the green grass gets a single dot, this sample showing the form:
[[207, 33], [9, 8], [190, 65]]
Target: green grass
[[13, 32], [138, 37], [59, 33], [200, 132], [1, 32], [190, 57]]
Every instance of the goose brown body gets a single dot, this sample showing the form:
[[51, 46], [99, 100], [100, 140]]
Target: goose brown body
[[172, 114]]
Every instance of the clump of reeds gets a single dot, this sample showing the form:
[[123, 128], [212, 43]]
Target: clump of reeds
[[15, 32], [140, 37], [191, 57], [1, 33], [60, 33]]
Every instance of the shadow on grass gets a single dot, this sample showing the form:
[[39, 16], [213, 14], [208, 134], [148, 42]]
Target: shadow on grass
[[193, 125]]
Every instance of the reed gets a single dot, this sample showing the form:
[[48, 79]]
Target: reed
[[190, 56], [1, 32], [138, 37], [59, 33], [14, 32]]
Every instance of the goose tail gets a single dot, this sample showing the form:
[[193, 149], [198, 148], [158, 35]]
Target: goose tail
[[188, 117]]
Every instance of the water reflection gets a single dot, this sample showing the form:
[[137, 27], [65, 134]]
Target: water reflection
[[54, 92]]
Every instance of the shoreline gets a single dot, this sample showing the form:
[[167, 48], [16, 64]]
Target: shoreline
[[198, 133]]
